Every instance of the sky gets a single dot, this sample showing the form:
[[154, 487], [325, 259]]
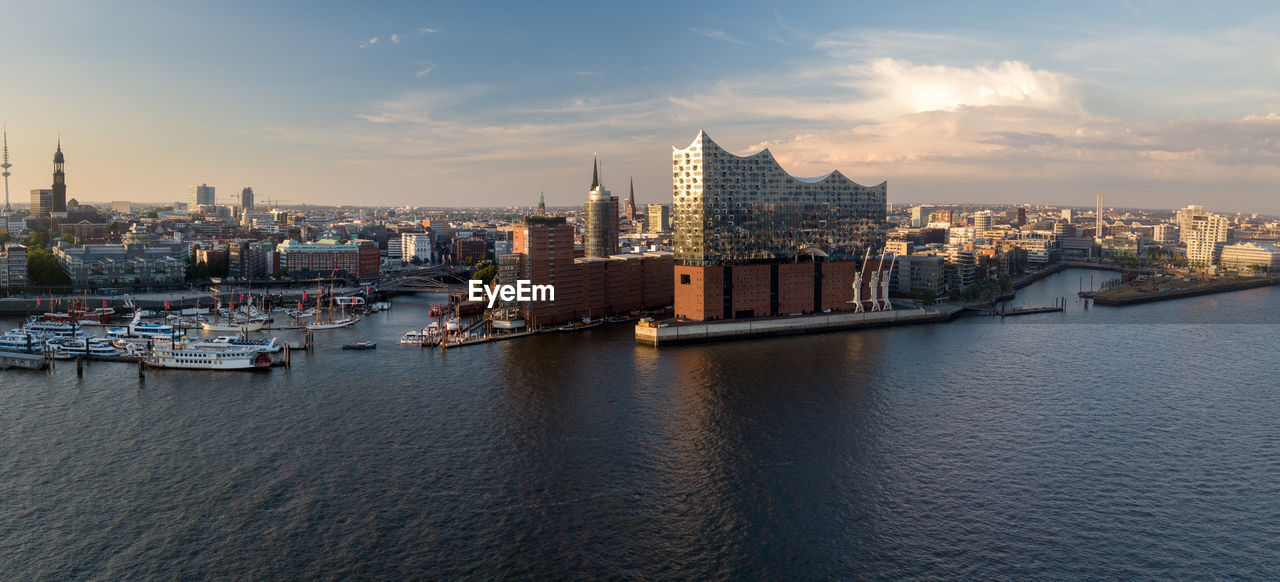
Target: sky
[[1154, 104]]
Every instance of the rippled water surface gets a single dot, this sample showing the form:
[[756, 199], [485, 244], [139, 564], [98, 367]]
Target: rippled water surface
[[1045, 446]]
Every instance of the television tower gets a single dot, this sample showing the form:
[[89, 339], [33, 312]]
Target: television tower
[[6, 165]]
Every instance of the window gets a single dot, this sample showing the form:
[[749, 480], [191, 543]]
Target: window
[[685, 280]]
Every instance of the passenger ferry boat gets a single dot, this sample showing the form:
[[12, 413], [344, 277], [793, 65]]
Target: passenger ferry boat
[[365, 345], [269, 345], [20, 341], [66, 348], [51, 329], [188, 358]]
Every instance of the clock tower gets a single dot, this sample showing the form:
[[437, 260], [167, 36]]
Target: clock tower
[[59, 182]]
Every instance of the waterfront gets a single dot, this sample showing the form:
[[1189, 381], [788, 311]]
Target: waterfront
[[1091, 444]]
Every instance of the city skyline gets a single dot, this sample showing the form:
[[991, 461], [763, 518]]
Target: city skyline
[[1156, 105]]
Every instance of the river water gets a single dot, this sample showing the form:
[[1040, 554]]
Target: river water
[[1138, 442]]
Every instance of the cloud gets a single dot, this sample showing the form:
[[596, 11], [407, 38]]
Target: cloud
[[587, 73], [395, 39], [426, 30], [424, 72], [719, 35], [369, 42]]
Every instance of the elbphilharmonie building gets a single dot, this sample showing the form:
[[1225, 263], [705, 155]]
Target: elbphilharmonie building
[[730, 209], [752, 240]]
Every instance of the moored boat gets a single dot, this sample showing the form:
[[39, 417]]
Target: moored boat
[[364, 345], [188, 358]]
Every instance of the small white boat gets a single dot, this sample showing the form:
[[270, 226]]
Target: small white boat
[[74, 347], [232, 326], [452, 325], [414, 337], [334, 324]]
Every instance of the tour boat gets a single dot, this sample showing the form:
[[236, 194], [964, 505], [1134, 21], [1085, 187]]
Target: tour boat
[[435, 311], [270, 345], [52, 329], [188, 358], [414, 337], [65, 348], [379, 306], [365, 345], [77, 313], [452, 325], [149, 330], [20, 341]]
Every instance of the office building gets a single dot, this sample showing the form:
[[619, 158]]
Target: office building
[[246, 199], [659, 218], [1257, 257], [13, 265], [982, 220], [600, 214], [421, 245], [122, 206], [357, 258], [469, 250], [130, 263], [41, 202], [1016, 216], [199, 195], [919, 215], [1067, 214]]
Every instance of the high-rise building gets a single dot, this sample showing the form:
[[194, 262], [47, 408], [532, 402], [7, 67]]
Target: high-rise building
[[13, 265], [659, 218], [728, 208], [1016, 216], [246, 199], [918, 216], [600, 237], [1067, 214], [982, 220], [547, 245], [199, 195], [1207, 234], [59, 194], [41, 202], [1098, 229], [1164, 233], [1183, 217]]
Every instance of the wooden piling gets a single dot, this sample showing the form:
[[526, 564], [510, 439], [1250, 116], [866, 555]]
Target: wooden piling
[[79, 366]]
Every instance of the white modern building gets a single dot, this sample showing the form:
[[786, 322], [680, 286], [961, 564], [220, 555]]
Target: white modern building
[[1205, 235], [418, 244], [1164, 233], [982, 221], [1251, 256]]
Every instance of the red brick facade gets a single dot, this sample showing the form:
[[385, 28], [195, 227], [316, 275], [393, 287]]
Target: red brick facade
[[768, 289]]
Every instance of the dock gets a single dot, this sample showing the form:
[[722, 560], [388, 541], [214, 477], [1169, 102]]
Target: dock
[[667, 333], [23, 361]]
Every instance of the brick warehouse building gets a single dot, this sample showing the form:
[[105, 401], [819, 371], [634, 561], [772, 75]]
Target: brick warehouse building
[[584, 286], [752, 240]]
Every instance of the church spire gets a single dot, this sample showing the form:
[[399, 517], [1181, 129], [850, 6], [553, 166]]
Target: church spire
[[595, 172], [542, 204], [631, 200]]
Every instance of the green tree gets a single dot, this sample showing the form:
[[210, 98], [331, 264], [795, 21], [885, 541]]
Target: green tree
[[416, 260], [4, 237], [38, 239], [68, 238], [43, 268], [486, 274], [925, 297]]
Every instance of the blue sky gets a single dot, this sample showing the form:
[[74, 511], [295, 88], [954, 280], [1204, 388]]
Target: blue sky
[[1155, 104]]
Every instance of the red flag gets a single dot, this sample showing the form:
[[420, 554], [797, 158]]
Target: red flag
[[104, 303], [166, 305], [242, 296], [304, 295], [37, 302], [299, 306]]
